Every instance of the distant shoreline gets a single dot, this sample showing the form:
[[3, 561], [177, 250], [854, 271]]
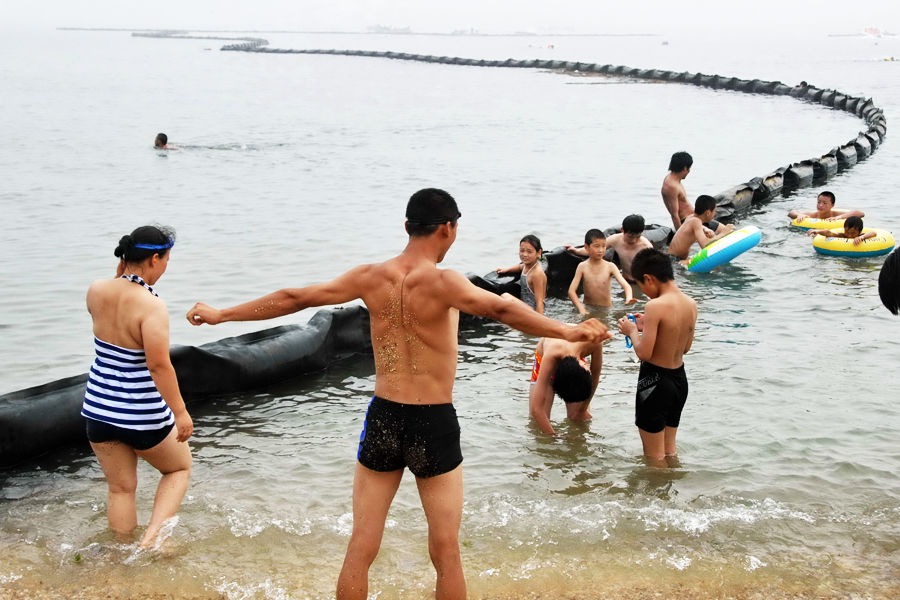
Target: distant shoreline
[[449, 34]]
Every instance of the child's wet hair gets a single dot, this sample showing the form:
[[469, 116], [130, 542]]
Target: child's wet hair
[[828, 195], [633, 224], [144, 242], [593, 234], [650, 261], [571, 381], [534, 241], [703, 204], [853, 223]]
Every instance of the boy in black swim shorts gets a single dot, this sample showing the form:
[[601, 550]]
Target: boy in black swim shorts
[[660, 336]]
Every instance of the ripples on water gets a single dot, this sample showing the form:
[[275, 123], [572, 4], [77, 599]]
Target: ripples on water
[[293, 168]]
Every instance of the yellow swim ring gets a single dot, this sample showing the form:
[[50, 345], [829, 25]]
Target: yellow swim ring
[[814, 223], [882, 243]]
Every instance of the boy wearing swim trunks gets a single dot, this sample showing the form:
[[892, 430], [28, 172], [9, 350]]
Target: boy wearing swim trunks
[[660, 337], [411, 422], [560, 368]]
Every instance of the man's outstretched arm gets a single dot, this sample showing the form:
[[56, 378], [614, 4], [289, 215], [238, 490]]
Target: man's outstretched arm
[[460, 293], [345, 288]]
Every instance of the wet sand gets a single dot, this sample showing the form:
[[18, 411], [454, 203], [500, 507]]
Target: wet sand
[[688, 587]]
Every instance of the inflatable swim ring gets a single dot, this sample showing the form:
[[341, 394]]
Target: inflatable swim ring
[[882, 243], [813, 223], [724, 249]]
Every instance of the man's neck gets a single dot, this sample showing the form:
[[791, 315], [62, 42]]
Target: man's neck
[[423, 248]]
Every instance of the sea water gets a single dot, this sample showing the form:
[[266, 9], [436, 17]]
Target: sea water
[[292, 168]]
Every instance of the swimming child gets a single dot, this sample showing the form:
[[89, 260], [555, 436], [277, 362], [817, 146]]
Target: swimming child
[[825, 210], [698, 227], [132, 405], [533, 280], [853, 227], [161, 141], [560, 368], [660, 337], [597, 275]]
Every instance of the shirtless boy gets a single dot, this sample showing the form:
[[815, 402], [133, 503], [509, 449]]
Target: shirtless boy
[[674, 196], [853, 230], [694, 229], [825, 210], [626, 244], [667, 331], [560, 368], [414, 311], [597, 275]]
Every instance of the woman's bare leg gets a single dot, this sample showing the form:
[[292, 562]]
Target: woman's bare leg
[[119, 464], [173, 459]]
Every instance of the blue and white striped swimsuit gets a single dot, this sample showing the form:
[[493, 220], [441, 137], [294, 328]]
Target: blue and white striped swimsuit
[[120, 390]]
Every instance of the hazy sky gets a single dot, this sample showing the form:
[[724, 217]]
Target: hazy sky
[[574, 16]]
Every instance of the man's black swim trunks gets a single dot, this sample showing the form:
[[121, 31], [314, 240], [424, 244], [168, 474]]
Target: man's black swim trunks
[[660, 398], [423, 437]]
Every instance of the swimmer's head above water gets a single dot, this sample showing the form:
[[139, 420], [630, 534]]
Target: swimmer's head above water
[[161, 140], [572, 380]]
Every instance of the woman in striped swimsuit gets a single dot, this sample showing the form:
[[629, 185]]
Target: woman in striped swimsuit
[[132, 406]]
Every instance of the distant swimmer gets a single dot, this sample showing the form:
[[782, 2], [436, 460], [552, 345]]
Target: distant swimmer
[[161, 141], [596, 275], [699, 227], [661, 336], [411, 422], [853, 230], [533, 280], [132, 405], [560, 368], [825, 210], [674, 196]]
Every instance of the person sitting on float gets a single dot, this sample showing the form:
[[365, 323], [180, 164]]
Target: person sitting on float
[[853, 229]]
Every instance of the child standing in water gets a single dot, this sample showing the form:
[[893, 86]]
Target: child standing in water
[[666, 332], [532, 280], [597, 275]]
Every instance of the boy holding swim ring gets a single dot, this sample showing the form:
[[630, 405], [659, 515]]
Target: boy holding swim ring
[[825, 210], [853, 227], [698, 227], [660, 337], [597, 275], [533, 280]]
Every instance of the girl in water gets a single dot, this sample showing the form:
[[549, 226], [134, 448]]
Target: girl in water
[[533, 280], [132, 406]]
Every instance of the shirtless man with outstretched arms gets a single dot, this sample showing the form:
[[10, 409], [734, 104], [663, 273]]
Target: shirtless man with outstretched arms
[[414, 310]]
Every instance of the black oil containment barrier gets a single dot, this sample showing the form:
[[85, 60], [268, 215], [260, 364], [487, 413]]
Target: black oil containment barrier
[[38, 419]]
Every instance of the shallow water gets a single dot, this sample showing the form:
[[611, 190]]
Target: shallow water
[[293, 168]]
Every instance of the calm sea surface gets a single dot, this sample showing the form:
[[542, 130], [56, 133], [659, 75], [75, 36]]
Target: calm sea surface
[[292, 168]]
